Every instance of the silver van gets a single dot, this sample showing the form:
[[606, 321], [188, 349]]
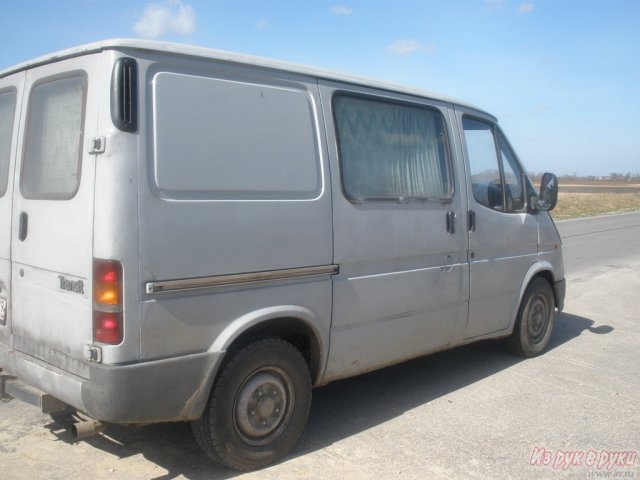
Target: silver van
[[194, 235]]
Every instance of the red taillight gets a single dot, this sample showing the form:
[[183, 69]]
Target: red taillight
[[107, 327], [107, 301], [109, 276]]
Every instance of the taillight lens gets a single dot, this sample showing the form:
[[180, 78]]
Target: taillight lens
[[107, 301], [107, 327], [107, 282]]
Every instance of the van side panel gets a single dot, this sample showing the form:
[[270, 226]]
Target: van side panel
[[403, 285], [236, 182]]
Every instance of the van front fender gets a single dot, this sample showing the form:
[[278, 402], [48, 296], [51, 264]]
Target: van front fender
[[535, 269]]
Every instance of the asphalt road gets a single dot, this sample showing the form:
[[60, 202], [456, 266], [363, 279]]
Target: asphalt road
[[473, 412], [597, 244]]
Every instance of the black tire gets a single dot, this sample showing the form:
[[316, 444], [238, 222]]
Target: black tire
[[258, 406], [534, 323]]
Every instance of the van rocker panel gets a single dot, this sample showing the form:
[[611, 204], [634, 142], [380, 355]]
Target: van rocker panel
[[172, 389]]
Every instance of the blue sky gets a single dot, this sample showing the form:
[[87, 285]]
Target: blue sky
[[563, 76]]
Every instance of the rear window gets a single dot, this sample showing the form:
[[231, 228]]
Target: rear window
[[7, 110], [51, 165], [391, 151]]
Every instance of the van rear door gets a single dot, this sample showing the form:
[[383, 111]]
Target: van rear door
[[51, 256], [10, 93]]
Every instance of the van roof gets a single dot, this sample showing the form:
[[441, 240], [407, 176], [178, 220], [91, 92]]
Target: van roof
[[202, 52]]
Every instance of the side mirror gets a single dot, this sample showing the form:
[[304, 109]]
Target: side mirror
[[548, 193]]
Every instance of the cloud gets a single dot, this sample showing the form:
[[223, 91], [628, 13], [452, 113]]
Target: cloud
[[526, 7], [262, 24], [167, 17], [341, 10], [409, 47]]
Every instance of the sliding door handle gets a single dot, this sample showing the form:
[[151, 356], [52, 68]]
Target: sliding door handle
[[451, 222], [471, 221]]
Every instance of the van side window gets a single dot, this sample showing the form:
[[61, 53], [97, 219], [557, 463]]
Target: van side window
[[391, 151], [496, 180], [7, 110], [51, 164]]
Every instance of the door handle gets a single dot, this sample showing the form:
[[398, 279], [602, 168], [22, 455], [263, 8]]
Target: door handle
[[23, 227], [451, 222], [471, 221]]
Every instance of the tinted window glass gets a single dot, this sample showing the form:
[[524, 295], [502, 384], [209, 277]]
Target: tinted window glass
[[391, 151], [7, 110], [51, 168]]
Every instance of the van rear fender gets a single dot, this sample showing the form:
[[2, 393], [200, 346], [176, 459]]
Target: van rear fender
[[298, 325]]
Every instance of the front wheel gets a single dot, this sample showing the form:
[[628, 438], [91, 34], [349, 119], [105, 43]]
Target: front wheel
[[258, 406], [534, 323]]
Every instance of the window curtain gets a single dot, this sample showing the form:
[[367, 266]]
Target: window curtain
[[390, 150]]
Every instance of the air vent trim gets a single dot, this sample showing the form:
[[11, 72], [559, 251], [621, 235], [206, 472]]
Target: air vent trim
[[124, 94]]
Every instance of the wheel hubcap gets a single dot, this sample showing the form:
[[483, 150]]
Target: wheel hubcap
[[263, 405], [538, 318]]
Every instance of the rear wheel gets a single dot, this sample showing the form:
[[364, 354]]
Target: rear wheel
[[258, 406], [534, 323]]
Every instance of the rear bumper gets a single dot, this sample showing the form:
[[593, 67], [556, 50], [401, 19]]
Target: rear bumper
[[560, 288], [165, 390]]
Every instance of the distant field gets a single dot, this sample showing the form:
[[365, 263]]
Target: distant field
[[583, 199]]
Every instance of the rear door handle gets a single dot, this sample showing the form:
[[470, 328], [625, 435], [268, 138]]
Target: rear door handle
[[24, 226]]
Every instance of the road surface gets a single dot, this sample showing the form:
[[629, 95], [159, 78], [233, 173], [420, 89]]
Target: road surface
[[473, 412], [595, 244]]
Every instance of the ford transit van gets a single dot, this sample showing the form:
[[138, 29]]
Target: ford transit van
[[195, 235]]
